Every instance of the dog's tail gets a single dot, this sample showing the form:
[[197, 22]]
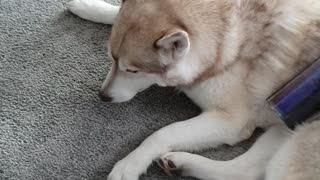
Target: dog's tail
[[94, 10]]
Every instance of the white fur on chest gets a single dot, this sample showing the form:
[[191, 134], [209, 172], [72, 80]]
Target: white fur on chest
[[218, 89], [230, 90]]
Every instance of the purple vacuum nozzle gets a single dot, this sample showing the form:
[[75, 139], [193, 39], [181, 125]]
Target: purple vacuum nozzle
[[299, 99]]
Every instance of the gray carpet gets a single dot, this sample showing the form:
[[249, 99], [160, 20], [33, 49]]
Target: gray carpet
[[52, 123]]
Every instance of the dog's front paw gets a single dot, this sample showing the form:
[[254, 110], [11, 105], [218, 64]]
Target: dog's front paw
[[177, 163], [127, 169]]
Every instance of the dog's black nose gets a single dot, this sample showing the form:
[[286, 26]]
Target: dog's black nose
[[104, 97]]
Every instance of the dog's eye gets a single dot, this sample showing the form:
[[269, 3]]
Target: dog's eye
[[132, 71]]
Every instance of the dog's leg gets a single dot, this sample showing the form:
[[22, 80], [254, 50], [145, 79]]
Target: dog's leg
[[249, 166], [94, 10], [209, 129]]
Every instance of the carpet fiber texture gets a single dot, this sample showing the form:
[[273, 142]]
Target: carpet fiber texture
[[52, 123]]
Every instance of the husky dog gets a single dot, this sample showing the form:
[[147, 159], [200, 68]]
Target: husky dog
[[228, 56]]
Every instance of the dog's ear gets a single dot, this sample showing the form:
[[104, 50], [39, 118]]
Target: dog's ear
[[174, 45]]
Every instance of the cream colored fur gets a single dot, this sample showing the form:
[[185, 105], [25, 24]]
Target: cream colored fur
[[228, 56]]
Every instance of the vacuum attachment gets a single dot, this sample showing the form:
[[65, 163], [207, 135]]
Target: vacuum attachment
[[299, 99]]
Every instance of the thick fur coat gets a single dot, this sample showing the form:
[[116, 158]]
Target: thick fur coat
[[228, 56]]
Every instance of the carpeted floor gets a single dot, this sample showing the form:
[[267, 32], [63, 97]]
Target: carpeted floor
[[52, 123]]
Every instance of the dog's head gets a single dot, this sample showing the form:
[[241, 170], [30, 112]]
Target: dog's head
[[150, 44]]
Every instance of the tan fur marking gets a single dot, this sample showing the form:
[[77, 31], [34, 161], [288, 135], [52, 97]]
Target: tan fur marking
[[260, 7]]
